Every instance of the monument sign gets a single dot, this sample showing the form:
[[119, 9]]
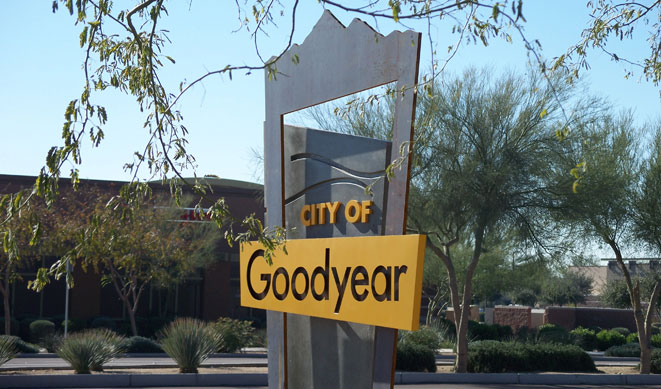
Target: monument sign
[[349, 278]]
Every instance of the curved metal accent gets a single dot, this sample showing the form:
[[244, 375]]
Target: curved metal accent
[[337, 180], [330, 162]]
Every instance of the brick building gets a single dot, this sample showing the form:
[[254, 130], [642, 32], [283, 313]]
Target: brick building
[[209, 294]]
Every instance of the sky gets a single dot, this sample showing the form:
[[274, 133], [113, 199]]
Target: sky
[[40, 68]]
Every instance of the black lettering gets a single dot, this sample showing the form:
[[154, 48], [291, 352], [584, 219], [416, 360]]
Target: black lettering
[[387, 293], [398, 272], [359, 270], [324, 272], [283, 272], [300, 296], [340, 286], [264, 277]]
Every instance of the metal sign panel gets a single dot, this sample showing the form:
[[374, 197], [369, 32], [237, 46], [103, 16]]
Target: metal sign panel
[[339, 279]]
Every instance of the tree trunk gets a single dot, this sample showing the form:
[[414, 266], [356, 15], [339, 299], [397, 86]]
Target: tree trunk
[[134, 328], [5, 300], [645, 356], [4, 288], [461, 363], [642, 327]]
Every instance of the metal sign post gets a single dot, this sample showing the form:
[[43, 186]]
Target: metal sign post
[[308, 173]]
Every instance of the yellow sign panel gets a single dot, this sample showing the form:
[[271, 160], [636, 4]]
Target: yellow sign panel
[[373, 280]]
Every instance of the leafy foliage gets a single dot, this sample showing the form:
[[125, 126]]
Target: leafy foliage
[[630, 349], [40, 329], [138, 345], [569, 288], [413, 356], [609, 338], [425, 336], [234, 334], [189, 342], [584, 338], [499, 357], [552, 333]]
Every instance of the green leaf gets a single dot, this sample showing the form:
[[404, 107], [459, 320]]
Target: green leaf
[[543, 113]]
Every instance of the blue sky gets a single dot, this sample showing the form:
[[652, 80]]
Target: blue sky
[[40, 64]]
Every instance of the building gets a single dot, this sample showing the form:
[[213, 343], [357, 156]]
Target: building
[[602, 275], [211, 293]]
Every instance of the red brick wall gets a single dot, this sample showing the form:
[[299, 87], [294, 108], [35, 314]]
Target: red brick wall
[[515, 317], [570, 318]]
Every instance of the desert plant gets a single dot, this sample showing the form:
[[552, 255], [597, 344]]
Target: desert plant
[[425, 336], [499, 357], [552, 333], [138, 344], [7, 349], [415, 357], [21, 345], [189, 342], [625, 350], [609, 338], [584, 338], [655, 366], [234, 334], [90, 349], [40, 329], [621, 330], [51, 342]]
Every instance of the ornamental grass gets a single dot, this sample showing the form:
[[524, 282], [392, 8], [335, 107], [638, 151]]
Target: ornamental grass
[[8, 349], [89, 350], [189, 342]]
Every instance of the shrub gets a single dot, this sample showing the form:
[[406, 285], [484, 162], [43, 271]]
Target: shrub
[[609, 338], [20, 345], [655, 340], [632, 337], [138, 344], [90, 349], [234, 334], [482, 331], [551, 333], [189, 342], [447, 329], [655, 365], [625, 350], [415, 357], [525, 334], [103, 322], [499, 357], [621, 330], [425, 336], [7, 349], [40, 329], [584, 338], [51, 342]]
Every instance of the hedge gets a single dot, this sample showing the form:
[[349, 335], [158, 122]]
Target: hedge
[[584, 338], [500, 357], [415, 357]]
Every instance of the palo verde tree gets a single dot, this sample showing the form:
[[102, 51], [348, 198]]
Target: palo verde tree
[[133, 247], [601, 202], [480, 171], [478, 160]]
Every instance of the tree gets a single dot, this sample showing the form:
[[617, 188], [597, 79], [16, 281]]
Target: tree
[[566, 288], [616, 295], [601, 202], [147, 245], [478, 164]]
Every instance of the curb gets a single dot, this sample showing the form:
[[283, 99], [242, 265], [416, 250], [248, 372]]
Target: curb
[[260, 379], [152, 355]]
